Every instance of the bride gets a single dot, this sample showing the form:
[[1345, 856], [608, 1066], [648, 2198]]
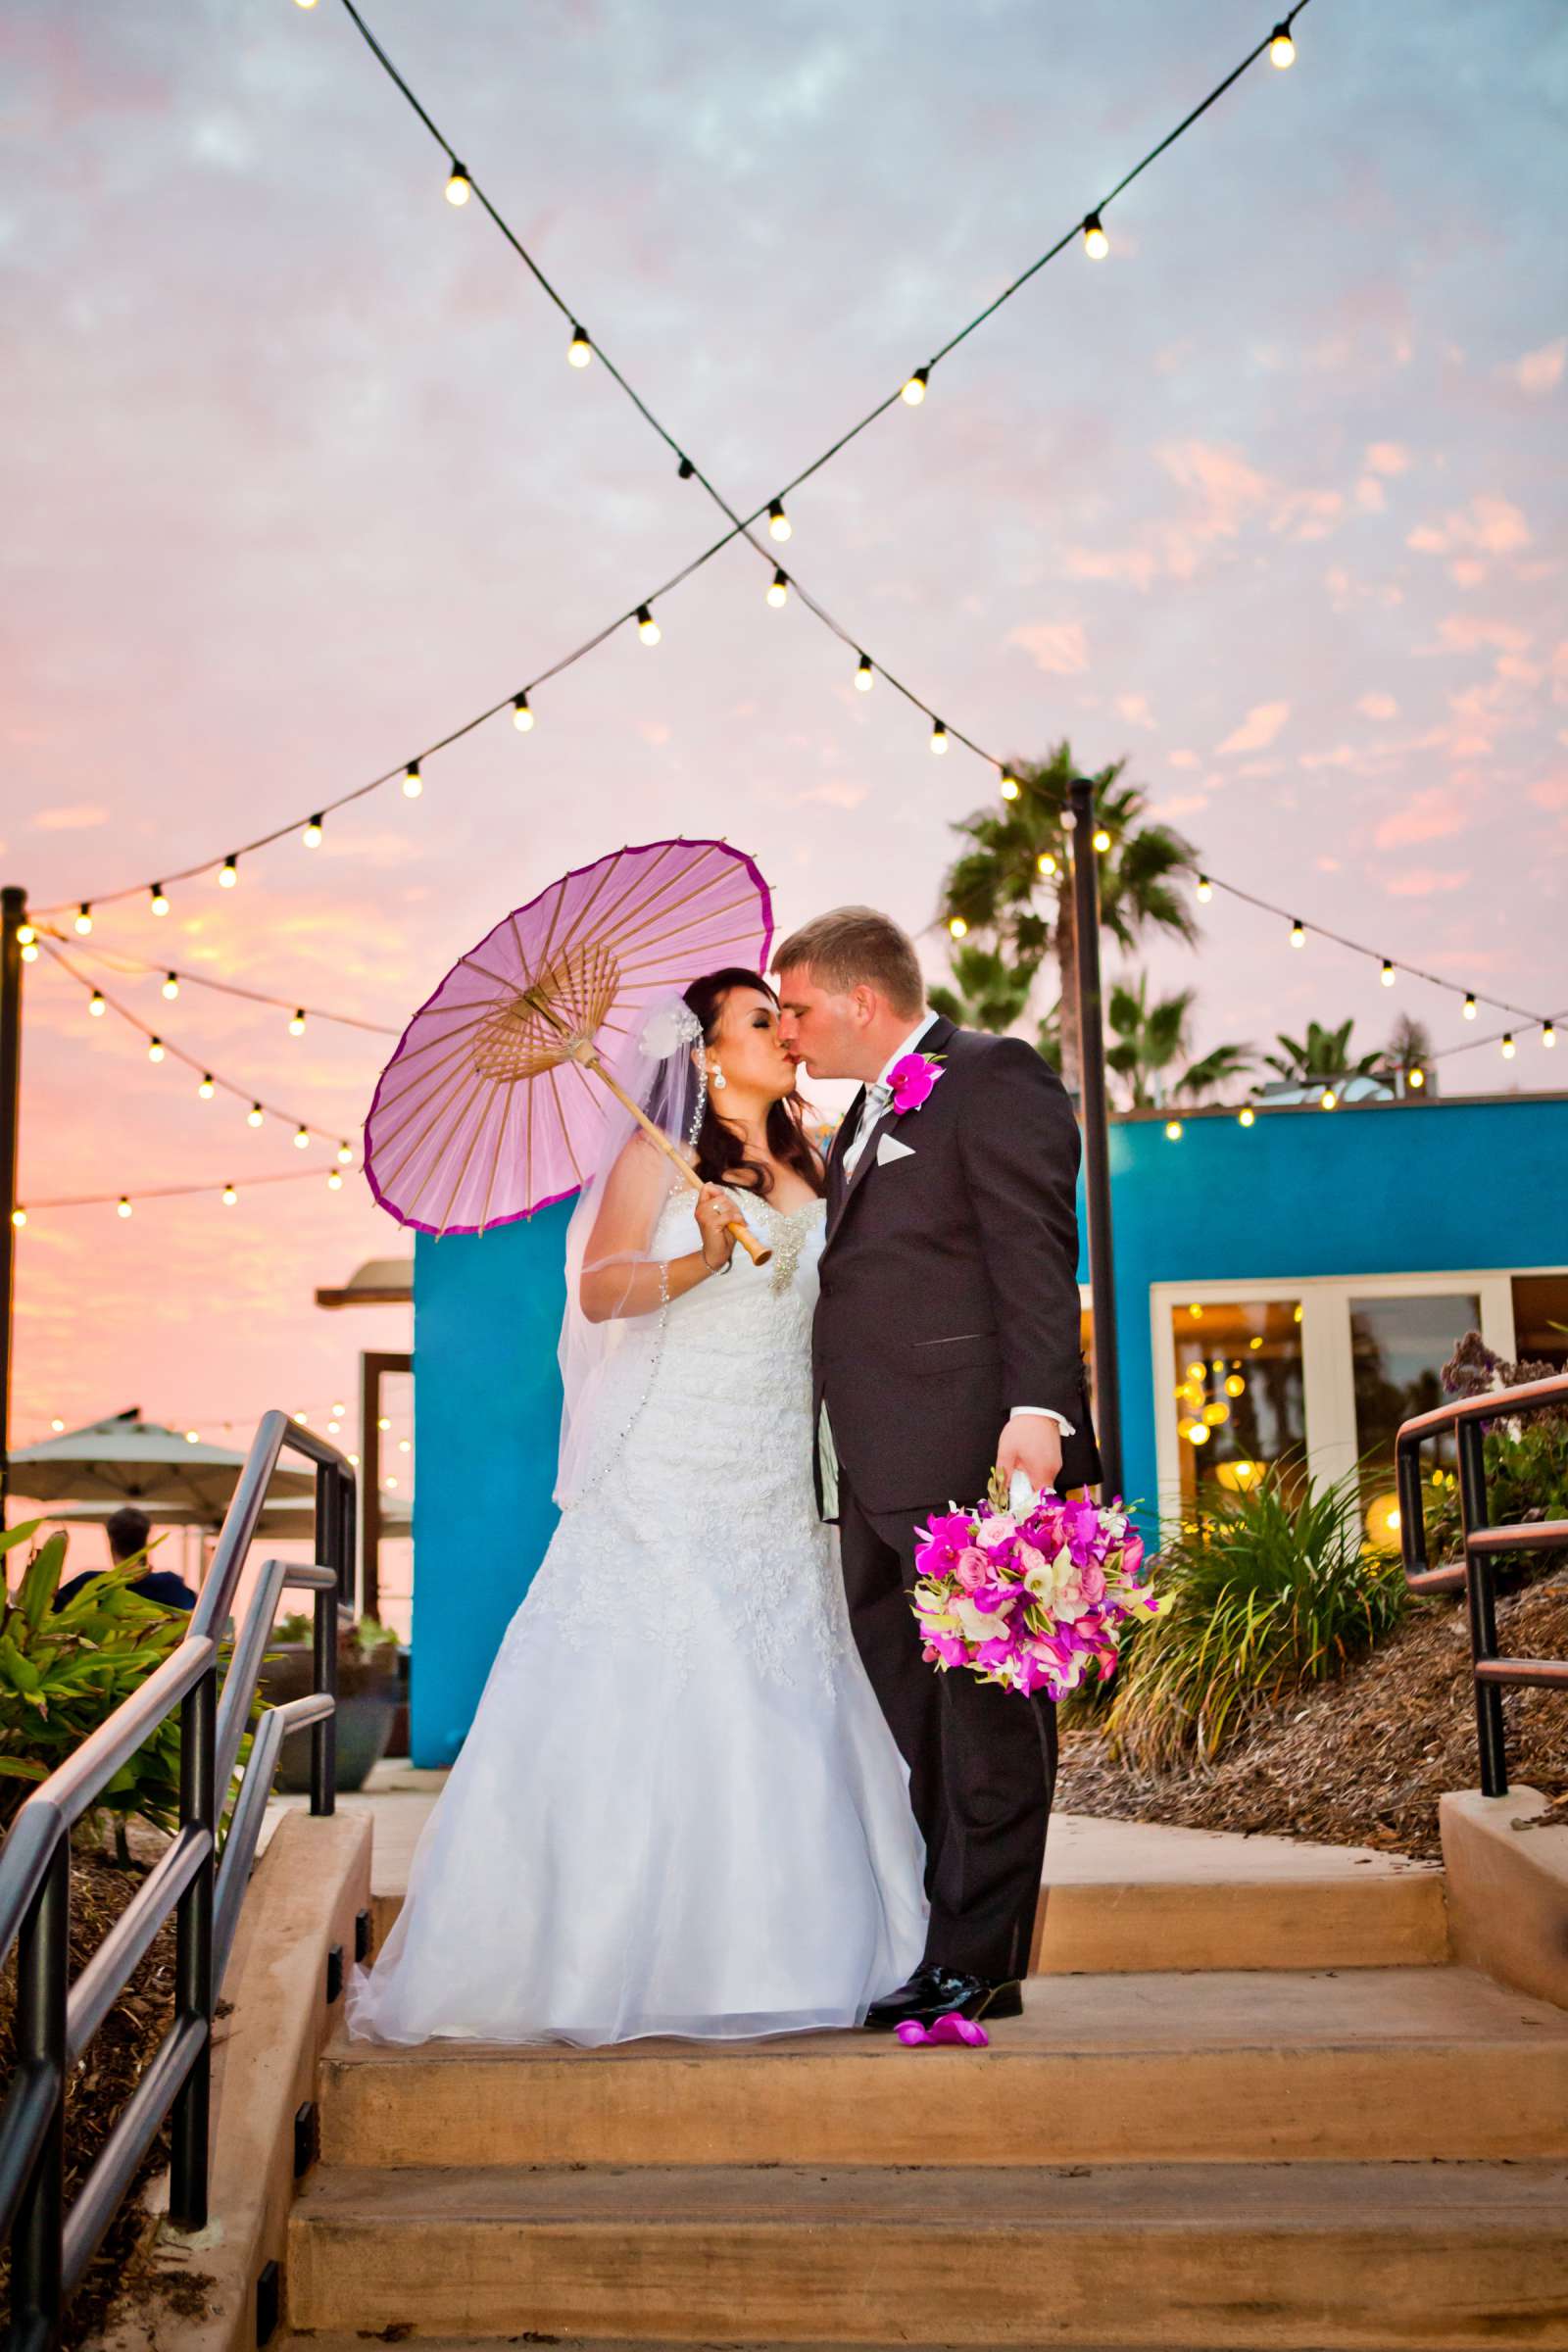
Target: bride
[[679, 1809]]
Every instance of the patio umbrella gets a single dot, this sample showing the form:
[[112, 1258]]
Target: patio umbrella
[[286, 1519], [494, 1101], [127, 1459]]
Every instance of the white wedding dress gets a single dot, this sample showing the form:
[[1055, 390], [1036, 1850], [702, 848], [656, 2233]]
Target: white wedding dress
[[679, 1809]]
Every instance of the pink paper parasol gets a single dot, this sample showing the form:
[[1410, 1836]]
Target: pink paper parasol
[[491, 1106]]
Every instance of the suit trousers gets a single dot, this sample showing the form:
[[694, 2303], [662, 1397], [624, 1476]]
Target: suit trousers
[[982, 1760]]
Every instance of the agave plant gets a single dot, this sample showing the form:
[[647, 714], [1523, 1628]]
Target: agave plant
[[1273, 1588]]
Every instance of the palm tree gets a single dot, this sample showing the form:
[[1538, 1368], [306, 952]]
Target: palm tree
[[1013, 883], [1409, 1047], [1322, 1056], [1150, 1038]]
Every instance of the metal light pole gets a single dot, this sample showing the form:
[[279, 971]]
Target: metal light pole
[[1097, 1136], [13, 914]]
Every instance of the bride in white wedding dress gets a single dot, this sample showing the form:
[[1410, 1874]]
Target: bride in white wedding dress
[[679, 1809]]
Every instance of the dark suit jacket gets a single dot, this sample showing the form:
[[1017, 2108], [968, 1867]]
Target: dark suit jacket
[[950, 1280]]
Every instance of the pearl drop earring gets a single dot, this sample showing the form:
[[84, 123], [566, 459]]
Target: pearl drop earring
[[717, 1079]]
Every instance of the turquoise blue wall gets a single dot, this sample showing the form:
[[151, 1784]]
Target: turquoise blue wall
[[487, 1409], [1374, 1190]]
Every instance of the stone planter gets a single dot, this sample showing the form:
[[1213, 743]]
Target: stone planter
[[368, 1697]]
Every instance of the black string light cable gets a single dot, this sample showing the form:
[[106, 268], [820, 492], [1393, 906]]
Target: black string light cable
[[131, 967], [159, 1048], [460, 186]]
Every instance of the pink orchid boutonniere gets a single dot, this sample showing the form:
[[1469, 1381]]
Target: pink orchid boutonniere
[[912, 1079]]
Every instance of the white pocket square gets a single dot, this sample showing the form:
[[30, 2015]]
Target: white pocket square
[[890, 1147]]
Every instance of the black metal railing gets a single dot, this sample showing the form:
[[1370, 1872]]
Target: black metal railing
[[1484, 1546], [50, 2245]]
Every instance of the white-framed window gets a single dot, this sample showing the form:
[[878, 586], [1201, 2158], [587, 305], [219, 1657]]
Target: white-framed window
[[1326, 1363]]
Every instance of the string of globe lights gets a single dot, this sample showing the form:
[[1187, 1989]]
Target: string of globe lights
[[581, 351], [176, 976], [212, 1083]]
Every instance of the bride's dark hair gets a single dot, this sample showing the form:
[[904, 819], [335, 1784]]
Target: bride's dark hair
[[720, 1148]]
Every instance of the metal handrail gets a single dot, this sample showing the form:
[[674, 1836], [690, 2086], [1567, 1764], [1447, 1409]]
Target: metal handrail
[[50, 2248], [1474, 1574]]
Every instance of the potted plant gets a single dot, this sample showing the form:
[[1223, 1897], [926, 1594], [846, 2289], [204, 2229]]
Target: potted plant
[[366, 1694]]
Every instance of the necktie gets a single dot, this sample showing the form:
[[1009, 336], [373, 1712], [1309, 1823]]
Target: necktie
[[878, 1095]]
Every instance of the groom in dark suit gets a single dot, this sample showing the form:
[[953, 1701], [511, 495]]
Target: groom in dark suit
[[945, 1342]]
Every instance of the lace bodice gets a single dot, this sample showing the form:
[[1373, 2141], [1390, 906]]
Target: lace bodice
[[699, 1496]]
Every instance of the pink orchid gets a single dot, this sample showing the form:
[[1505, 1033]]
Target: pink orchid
[[912, 1079], [953, 2026]]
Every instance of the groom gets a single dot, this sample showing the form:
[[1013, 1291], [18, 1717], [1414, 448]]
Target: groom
[[946, 1342]]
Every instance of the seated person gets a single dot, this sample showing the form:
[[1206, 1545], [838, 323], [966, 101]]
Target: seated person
[[127, 1534]]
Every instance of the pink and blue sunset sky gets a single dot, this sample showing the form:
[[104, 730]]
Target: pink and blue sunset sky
[[1270, 501]]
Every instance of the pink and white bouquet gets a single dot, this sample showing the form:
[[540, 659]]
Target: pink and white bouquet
[[1030, 1591]]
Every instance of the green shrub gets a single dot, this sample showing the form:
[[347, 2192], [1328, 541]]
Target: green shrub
[[1272, 1590], [64, 1671]]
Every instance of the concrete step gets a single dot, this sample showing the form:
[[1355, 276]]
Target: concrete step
[[1372, 2064], [1208, 2258]]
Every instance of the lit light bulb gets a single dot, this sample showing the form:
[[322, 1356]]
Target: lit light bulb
[[312, 834], [382, 1422], [1418, 1079], [957, 928], [206, 1089], [1173, 1129], [915, 389], [1205, 889], [229, 1196], [1102, 840], [228, 873], [30, 951], [1389, 974], [296, 1027], [1096, 242], [155, 1049], [1508, 1046], [255, 1115], [340, 1408], [332, 1428], [648, 628], [580, 351], [57, 1424], [1045, 862], [19, 1216], [778, 589], [334, 1181], [302, 1136], [95, 1005], [778, 523], [389, 1482], [938, 737], [866, 675], [1281, 47], [404, 1445], [123, 1206], [1235, 1385], [522, 714], [458, 188], [412, 781], [1327, 1097], [1469, 1008], [193, 1436], [1549, 1035], [344, 1154], [171, 988], [354, 1461], [1256, 1341], [25, 935], [158, 899], [83, 919], [1297, 933], [1009, 787], [1246, 1118]]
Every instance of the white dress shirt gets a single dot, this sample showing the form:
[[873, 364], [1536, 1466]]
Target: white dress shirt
[[878, 1095]]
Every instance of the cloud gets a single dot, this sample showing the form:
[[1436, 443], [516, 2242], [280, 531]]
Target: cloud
[[1388, 456], [1258, 728], [1493, 525], [1134, 708], [79, 818], [1058, 645], [1370, 496], [1551, 792], [1539, 371], [1378, 706], [1468, 632], [1184, 759], [1425, 881], [1431, 814]]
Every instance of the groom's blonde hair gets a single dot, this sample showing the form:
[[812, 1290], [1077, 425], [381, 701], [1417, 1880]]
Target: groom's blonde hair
[[854, 945]]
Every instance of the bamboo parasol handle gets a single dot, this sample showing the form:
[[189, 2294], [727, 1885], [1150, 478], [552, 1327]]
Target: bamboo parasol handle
[[758, 1251]]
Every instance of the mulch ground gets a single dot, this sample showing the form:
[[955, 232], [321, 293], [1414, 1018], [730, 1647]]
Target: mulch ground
[[109, 2071], [1361, 1761]]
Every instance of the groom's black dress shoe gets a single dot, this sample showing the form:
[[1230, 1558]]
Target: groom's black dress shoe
[[934, 1991]]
